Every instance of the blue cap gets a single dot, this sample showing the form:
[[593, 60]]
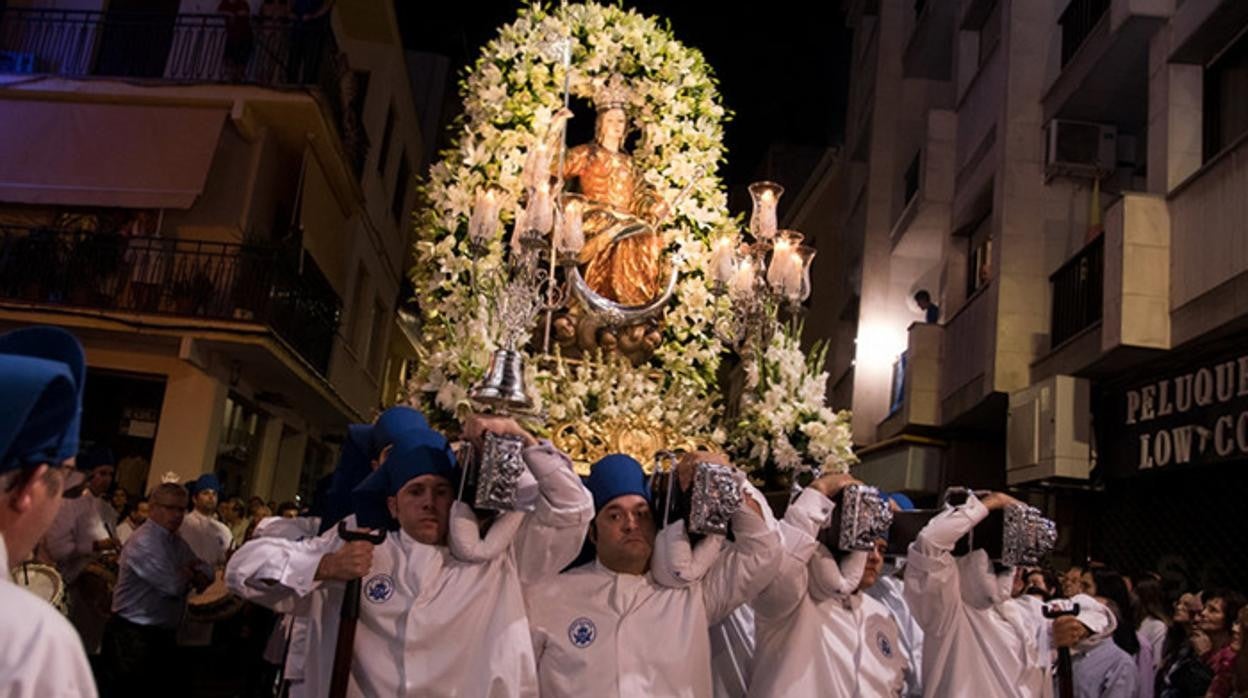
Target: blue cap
[[354, 464], [207, 481], [430, 456], [42, 370], [902, 501], [616, 475], [392, 422]]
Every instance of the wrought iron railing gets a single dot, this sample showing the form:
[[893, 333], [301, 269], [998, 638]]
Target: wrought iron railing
[[1077, 292], [1077, 22], [192, 48], [188, 278]]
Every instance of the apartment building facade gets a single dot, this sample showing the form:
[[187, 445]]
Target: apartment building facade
[[220, 211], [1068, 181]]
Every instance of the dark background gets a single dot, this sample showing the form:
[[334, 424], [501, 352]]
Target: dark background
[[783, 66]]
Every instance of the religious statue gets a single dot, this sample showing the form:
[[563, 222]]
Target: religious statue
[[622, 253], [622, 256]]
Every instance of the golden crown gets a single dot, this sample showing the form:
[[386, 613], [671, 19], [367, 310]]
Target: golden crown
[[614, 94]]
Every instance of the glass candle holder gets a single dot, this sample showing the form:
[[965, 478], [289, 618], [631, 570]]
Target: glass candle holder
[[763, 221]]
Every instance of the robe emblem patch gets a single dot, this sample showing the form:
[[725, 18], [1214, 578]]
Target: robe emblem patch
[[379, 588], [886, 647], [582, 632]]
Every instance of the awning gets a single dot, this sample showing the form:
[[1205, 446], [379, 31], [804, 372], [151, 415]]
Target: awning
[[93, 154]]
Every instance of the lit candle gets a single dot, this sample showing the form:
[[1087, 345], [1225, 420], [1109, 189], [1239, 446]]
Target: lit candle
[[792, 278], [539, 215], [723, 262], [484, 220], [767, 215], [572, 236], [780, 265], [537, 168], [742, 284]]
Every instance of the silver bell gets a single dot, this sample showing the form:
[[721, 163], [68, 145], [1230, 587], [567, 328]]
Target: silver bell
[[503, 384]]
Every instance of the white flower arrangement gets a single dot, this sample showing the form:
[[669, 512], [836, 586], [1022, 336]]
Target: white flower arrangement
[[510, 96], [784, 419]]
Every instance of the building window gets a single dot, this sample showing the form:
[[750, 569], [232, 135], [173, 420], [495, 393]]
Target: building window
[[400, 189], [990, 32], [376, 348], [383, 157], [1226, 98], [979, 256]]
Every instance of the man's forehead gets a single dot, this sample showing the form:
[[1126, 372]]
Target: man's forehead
[[426, 481], [628, 502]]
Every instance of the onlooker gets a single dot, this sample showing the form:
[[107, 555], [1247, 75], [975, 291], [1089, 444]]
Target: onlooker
[[1182, 673], [1072, 581], [1150, 613], [1215, 623], [134, 518], [120, 498], [288, 510], [157, 571], [232, 515], [931, 311], [1110, 588]]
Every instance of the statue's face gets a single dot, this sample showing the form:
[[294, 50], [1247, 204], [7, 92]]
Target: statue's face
[[612, 124]]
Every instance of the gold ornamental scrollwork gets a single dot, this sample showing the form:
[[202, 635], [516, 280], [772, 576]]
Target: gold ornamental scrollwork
[[587, 441]]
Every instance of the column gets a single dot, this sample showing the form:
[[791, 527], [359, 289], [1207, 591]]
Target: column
[[190, 425]]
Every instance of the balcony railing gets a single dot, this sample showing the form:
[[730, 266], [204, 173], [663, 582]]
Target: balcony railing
[[1077, 22], [186, 278], [188, 48], [1077, 291]]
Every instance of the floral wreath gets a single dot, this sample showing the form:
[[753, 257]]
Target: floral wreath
[[510, 95]]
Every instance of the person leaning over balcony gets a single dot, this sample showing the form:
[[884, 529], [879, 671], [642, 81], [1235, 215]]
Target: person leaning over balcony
[[931, 311], [239, 41], [41, 377]]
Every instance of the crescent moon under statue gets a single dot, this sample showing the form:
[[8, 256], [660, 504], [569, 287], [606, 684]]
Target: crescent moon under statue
[[615, 314]]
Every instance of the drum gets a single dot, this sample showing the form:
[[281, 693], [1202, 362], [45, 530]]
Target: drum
[[94, 585], [42, 581], [214, 603]]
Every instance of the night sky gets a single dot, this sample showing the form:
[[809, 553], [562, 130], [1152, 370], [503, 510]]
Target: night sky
[[783, 67]]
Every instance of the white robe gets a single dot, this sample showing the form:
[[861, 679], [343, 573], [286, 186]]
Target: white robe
[[816, 635], [977, 640], [41, 655], [210, 539], [430, 625], [70, 540], [600, 633]]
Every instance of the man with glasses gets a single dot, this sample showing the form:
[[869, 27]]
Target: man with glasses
[[157, 571]]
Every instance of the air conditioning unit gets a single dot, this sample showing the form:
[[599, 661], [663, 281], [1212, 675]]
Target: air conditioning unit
[[1079, 149], [1049, 431]]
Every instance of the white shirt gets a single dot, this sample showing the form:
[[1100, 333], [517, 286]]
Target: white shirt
[[977, 640], [70, 540], [41, 655], [600, 633], [430, 624], [209, 538], [124, 529], [816, 634]]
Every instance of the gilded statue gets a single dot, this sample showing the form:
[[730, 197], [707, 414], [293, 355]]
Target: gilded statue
[[622, 259]]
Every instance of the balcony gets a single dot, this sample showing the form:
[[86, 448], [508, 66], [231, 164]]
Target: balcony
[[915, 399], [929, 49], [927, 184], [186, 49], [188, 279], [1104, 57], [1076, 293], [1111, 300]]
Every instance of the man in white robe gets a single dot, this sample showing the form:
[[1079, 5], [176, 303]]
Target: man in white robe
[[607, 628], [816, 631], [42, 371], [978, 641], [431, 624]]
